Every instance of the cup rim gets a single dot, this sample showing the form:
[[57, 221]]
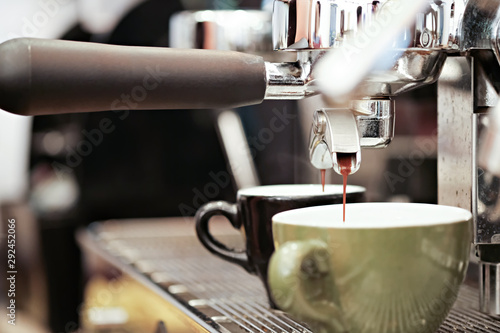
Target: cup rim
[[303, 190], [374, 215]]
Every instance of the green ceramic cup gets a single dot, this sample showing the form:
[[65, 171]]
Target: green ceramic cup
[[389, 268]]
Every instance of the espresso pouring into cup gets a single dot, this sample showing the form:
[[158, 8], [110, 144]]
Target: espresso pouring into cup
[[391, 268]]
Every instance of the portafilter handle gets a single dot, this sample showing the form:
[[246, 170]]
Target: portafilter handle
[[40, 77]]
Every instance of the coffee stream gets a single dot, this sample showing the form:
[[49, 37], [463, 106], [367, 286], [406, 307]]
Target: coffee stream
[[344, 161], [323, 176]]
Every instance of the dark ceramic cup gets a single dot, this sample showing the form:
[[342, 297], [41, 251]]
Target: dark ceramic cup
[[252, 215]]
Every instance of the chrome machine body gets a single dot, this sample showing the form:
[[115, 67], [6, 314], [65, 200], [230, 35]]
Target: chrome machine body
[[452, 42]]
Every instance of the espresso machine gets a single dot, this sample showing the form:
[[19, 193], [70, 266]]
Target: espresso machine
[[359, 55]]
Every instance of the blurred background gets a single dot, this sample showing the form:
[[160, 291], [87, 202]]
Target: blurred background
[[61, 173]]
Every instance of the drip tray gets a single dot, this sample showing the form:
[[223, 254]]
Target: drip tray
[[166, 257]]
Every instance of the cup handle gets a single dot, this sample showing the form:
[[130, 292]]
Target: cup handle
[[230, 211], [302, 284]]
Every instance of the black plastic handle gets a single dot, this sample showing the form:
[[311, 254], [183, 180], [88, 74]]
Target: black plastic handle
[[40, 76], [230, 211]]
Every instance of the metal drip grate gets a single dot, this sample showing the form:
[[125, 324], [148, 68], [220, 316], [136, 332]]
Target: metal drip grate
[[224, 295]]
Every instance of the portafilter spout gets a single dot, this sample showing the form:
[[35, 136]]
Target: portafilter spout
[[334, 132]]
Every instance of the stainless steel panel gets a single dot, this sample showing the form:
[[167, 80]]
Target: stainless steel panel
[[455, 108]]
